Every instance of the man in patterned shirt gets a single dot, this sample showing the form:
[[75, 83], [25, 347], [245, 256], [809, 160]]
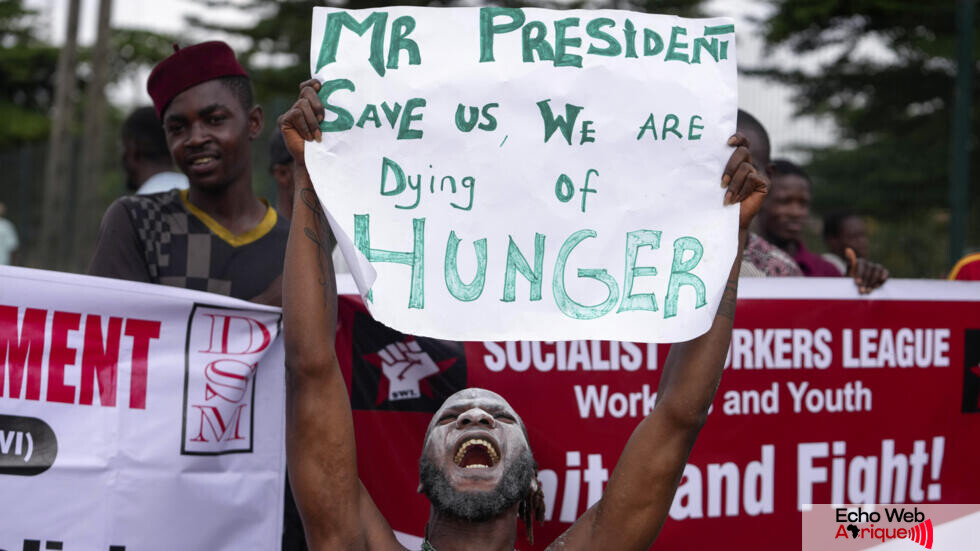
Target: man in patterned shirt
[[216, 236]]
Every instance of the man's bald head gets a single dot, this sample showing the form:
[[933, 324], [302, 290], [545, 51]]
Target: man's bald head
[[476, 460], [474, 396], [759, 147]]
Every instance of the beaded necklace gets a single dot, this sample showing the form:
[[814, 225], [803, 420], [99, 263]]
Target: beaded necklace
[[426, 546]]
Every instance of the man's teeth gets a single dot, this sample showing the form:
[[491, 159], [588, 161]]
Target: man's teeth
[[202, 160], [462, 452], [476, 467]]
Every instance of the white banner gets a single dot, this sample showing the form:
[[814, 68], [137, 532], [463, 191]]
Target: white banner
[[136, 416], [528, 174]]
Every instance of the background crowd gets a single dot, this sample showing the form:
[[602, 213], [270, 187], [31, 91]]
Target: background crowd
[[883, 83]]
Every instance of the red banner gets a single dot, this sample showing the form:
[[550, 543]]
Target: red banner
[[824, 400]]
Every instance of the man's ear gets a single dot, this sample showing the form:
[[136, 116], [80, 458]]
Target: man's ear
[[254, 122], [770, 171]]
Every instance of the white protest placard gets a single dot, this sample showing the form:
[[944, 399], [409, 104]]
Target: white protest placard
[[510, 174]]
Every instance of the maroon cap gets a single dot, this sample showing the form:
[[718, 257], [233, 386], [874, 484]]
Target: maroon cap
[[188, 67]]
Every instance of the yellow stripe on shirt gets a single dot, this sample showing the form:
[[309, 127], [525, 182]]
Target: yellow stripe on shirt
[[262, 228]]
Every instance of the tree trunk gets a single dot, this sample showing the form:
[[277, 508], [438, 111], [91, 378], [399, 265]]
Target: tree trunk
[[53, 243], [89, 205]]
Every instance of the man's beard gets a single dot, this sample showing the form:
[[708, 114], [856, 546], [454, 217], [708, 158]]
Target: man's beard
[[478, 506]]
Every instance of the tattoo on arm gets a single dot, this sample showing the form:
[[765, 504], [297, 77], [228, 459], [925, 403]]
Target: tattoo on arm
[[728, 299], [320, 235]]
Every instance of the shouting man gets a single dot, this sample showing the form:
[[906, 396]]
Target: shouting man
[[476, 468]]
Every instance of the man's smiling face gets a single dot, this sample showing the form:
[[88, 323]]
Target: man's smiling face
[[476, 460], [786, 209], [209, 134]]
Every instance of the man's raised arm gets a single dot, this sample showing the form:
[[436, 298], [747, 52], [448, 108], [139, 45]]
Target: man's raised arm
[[336, 509], [641, 488]]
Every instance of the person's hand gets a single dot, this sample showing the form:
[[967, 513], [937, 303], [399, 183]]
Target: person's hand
[[302, 122], [867, 275], [745, 184]]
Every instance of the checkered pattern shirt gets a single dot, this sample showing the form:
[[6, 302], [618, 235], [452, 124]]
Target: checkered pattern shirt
[[163, 238]]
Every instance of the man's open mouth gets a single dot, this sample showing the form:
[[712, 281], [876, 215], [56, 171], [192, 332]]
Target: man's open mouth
[[476, 453], [201, 162]]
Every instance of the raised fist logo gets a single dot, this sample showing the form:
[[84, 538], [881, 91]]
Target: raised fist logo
[[397, 372], [404, 364]]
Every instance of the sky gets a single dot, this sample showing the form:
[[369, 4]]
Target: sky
[[768, 101]]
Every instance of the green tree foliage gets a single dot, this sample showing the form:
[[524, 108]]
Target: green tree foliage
[[27, 78], [27, 68], [28, 63], [134, 49], [892, 109]]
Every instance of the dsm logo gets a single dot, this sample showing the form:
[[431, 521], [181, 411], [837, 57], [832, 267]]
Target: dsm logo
[[392, 371], [224, 347]]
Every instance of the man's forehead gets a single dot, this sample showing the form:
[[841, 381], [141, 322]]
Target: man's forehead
[[476, 397], [206, 94], [789, 183]]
